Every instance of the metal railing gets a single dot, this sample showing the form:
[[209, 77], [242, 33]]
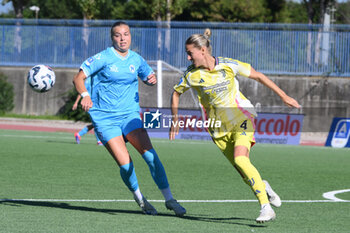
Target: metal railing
[[281, 49]]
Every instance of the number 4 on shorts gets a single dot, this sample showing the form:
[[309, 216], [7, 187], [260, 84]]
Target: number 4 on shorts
[[244, 125]]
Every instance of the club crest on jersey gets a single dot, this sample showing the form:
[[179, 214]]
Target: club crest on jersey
[[132, 68]]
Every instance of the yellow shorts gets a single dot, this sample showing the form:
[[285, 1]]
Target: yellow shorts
[[241, 135]]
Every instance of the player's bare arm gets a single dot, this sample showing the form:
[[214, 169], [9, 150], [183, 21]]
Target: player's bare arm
[[263, 79], [75, 105], [175, 99], [78, 81]]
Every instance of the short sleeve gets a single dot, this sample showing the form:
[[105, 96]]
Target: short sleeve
[[243, 69], [144, 70], [93, 64], [182, 86]]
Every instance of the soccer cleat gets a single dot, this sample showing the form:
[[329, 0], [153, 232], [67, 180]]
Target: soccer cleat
[[146, 207], [176, 207], [77, 138], [266, 214], [274, 199], [99, 143]]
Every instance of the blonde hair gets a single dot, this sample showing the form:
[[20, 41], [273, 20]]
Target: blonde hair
[[199, 40]]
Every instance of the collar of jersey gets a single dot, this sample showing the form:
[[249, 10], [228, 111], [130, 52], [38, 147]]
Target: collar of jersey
[[216, 60], [120, 56], [216, 63]]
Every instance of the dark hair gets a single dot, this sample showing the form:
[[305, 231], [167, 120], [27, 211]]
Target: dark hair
[[116, 24], [199, 40]]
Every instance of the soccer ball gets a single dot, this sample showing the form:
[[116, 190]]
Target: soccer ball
[[41, 78]]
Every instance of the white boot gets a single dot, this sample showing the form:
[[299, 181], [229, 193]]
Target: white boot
[[266, 214], [274, 199]]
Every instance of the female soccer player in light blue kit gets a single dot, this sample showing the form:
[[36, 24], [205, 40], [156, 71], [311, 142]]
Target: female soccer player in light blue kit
[[114, 109]]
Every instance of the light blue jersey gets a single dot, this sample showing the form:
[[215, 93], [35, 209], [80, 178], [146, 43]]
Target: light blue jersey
[[114, 92], [114, 83]]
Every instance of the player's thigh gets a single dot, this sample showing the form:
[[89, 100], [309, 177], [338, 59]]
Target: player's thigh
[[136, 134], [243, 137], [140, 140], [107, 132], [226, 145], [116, 147]]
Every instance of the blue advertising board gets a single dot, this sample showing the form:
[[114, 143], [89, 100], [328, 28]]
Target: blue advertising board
[[339, 133], [270, 128]]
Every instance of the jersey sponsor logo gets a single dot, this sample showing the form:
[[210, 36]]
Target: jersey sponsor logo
[[113, 68], [132, 68], [218, 85]]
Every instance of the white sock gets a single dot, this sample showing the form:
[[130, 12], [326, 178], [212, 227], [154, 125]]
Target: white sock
[[167, 194], [137, 194]]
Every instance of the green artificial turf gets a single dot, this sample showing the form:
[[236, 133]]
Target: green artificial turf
[[50, 184]]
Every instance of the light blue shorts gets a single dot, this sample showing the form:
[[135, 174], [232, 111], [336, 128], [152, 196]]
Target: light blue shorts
[[109, 125]]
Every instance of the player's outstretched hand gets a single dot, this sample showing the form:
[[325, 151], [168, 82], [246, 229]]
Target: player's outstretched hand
[[86, 103], [290, 102]]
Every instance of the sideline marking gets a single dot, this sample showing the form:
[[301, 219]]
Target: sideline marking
[[188, 201], [164, 140], [331, 195], [158, 140]]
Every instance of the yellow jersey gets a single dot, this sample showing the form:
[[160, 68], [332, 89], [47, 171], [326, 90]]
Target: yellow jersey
[[218, 93]]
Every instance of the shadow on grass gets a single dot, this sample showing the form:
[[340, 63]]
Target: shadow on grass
[[63, 205], [232, 220]]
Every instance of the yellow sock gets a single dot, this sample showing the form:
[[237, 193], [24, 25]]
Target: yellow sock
[[254, 178]]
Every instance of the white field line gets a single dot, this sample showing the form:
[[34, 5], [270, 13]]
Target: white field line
[[331, 195], [328, 195], [188, 201], [42, 137]]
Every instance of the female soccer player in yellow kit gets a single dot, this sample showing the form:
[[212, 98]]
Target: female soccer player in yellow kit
[[214, 80]]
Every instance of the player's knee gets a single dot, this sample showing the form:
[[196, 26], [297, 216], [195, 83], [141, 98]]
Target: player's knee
[[151, 157]]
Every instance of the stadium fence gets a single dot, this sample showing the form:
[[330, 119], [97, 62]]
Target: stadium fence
[[279, 49]]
